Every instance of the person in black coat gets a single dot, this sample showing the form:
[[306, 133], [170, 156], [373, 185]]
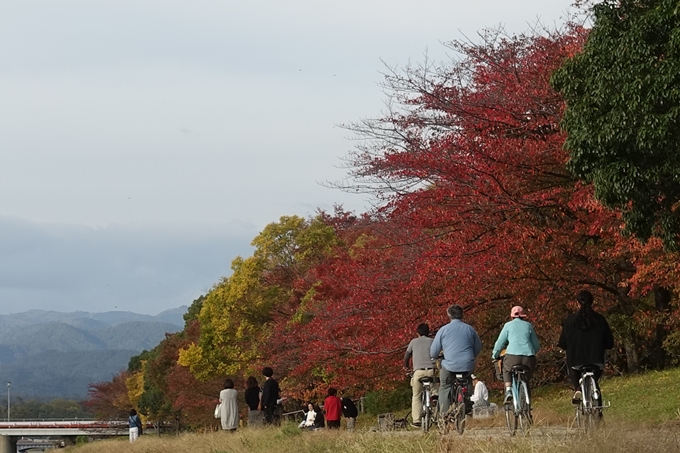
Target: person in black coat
[[585, 337], [270, 397], [350, 412]]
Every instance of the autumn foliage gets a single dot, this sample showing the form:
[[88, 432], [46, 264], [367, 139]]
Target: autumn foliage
[[476, 207]]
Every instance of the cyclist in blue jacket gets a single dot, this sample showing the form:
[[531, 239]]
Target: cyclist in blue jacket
[[522, 345], [460, 344]]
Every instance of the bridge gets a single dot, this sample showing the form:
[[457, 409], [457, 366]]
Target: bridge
[[10, 432], [27, 445]]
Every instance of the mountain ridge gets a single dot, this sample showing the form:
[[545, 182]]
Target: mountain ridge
[[171, 316], [50, 354]]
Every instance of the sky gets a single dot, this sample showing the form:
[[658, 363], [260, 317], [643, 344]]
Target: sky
[[145, 143]]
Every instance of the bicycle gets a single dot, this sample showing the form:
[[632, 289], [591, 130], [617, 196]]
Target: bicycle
[[589, 407], [429, 412], [459, 404], [518, 411]]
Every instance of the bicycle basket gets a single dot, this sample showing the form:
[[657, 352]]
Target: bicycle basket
[[498, 369]]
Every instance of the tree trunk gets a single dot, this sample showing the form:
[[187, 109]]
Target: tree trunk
[[662, 302], [632, 357]]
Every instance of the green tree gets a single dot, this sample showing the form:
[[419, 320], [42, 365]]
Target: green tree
[[623, 113]]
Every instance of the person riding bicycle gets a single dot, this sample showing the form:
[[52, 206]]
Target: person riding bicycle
[[423, 366], [460, 344], [522, 345], [585, 337]]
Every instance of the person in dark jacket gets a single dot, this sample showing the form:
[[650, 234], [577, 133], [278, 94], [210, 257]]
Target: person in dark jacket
[[585, 337], [252, 396], [319, 421], [270, 397], [349, 411]]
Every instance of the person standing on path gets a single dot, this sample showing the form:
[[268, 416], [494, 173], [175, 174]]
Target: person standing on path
[[333, 408], [135, 424], [253, 396], [270, 397], [349, 411], [229, 406]]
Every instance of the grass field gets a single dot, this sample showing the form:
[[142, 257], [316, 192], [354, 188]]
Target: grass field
[[644, 417]]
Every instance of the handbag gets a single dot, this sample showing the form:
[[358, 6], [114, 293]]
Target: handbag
[[217, 411]]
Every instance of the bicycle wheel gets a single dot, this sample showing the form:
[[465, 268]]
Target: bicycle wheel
[[590, 418], [579, 415], [425, 419], [460, 416], [434, 415], [510, 419], [409, 422], [524, 413]]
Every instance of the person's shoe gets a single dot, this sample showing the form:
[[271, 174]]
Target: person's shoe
[[508, 397], [576, 399], [417, 423]]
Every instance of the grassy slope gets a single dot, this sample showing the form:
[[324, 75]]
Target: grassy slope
[[650, 398], [643, 418]]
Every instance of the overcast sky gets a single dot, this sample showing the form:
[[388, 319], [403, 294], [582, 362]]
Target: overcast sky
[[144, 143]]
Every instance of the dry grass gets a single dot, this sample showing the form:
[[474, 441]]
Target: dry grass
[[615, 438], [269, 440]]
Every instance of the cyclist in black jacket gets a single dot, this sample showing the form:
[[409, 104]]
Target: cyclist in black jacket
[[585, 336]]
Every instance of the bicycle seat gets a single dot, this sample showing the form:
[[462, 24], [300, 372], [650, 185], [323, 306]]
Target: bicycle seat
[[585, 368], [462, 375], [425, 379], [520, 368]]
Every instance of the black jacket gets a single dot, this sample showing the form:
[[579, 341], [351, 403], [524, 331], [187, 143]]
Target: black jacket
[[349, 409], [270, 393], [585, 347]]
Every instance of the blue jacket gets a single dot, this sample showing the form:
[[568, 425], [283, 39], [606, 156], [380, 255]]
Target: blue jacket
[[519, 337], [460, 344]]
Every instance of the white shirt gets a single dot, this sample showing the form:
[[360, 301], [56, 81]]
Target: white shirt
[[481, 393], [311, 416]]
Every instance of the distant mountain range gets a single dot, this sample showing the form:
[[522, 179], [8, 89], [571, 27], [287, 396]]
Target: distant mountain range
[[48, 354]]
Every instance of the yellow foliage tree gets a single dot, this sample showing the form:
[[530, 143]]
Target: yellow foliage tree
[[236, 312]]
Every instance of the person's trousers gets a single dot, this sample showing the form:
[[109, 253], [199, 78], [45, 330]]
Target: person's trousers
[[446, 379], [255, 417], [511, 360], [417, 386], [350, 423]]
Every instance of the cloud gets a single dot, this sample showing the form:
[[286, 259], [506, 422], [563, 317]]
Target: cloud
[[142, 269]]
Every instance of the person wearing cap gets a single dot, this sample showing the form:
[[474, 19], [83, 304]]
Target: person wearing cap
[[522, 345], [423, 366], [585, 337], [480, 397]]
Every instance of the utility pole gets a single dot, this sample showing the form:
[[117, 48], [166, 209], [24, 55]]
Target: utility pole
[[9, 384]]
